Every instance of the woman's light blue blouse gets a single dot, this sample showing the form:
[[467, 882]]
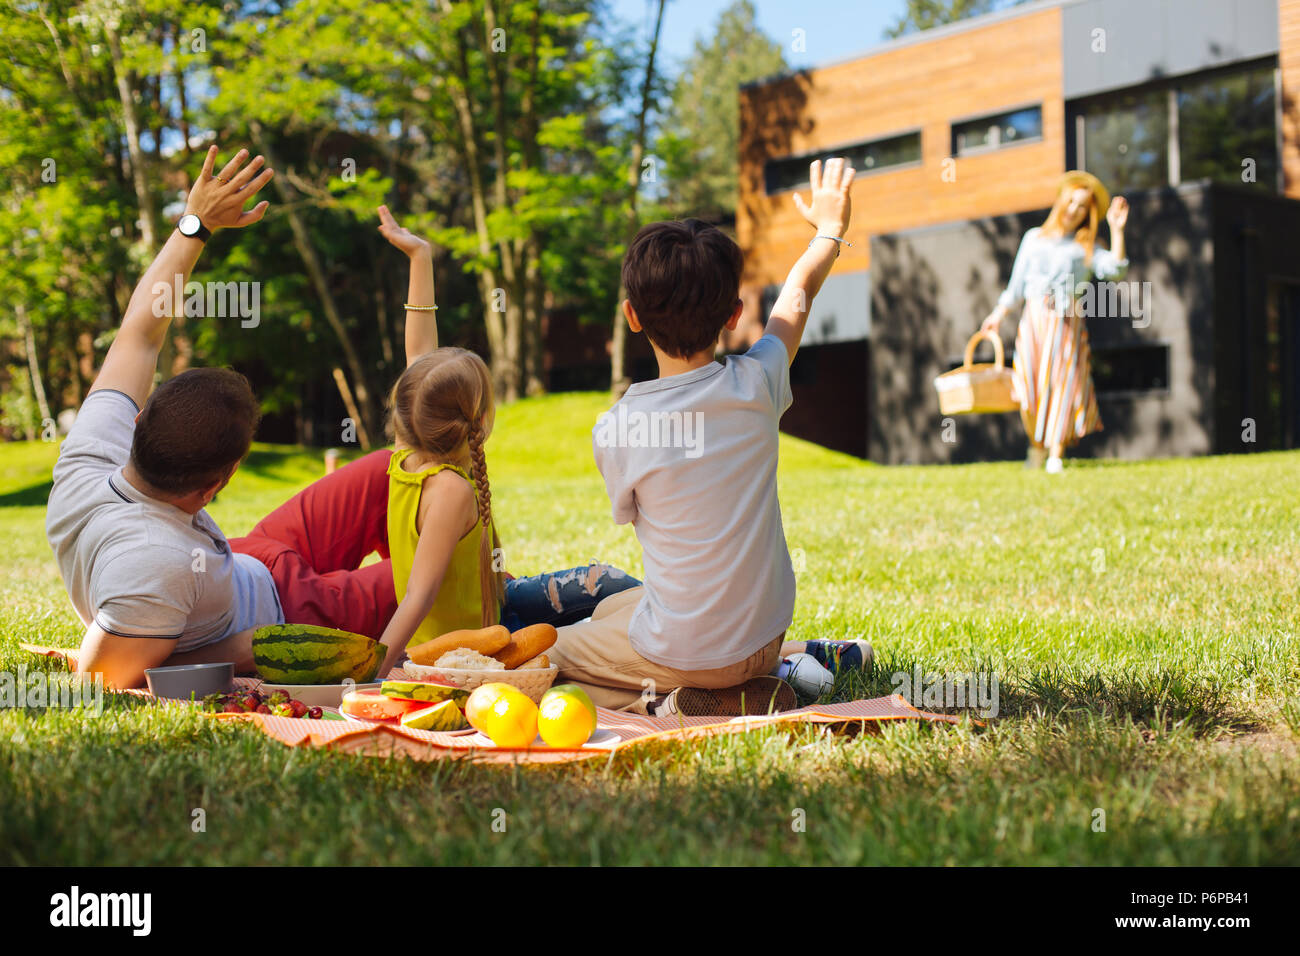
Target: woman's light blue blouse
[[1048, 264]]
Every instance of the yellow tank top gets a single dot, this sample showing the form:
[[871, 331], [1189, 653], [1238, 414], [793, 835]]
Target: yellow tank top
[[459, 603]]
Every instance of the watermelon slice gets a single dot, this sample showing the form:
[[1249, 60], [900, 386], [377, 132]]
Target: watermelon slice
[[423, 691], [446, 715]]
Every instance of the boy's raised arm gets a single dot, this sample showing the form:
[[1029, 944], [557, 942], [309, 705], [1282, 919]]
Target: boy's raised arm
[[218, 203], [421, 314], [829, 214]]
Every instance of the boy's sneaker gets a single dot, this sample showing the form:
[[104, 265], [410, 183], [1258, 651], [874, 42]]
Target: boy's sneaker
[[805, 675], [836, 656], [756, 697]]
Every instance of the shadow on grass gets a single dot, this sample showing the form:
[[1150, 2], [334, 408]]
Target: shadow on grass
[[33, 496], [1156, 698]]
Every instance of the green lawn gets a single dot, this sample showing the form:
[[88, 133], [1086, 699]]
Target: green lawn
[[1139, 618]]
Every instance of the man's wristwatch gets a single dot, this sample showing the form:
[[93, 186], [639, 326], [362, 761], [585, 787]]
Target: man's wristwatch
[[190, 225]]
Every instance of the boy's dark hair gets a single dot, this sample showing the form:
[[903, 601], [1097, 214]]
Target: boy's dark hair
[[683, 279], [194, 429]]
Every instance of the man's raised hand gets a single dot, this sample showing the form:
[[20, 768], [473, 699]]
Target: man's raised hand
[[218, 199]]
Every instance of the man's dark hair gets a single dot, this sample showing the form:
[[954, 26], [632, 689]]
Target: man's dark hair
[[683, 280], [194, 429]]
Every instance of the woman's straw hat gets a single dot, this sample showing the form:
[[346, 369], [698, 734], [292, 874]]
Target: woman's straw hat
[[1100, 196]]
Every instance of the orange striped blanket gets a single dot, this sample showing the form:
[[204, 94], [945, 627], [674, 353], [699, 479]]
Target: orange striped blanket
[[615, 730]]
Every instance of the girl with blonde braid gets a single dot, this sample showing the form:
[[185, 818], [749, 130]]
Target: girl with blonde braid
[[446, 557]]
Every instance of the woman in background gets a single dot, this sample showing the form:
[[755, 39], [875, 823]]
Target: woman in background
[[1053, 363]]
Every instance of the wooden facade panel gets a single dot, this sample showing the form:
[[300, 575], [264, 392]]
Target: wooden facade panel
[[1289, 60], [923, 86]]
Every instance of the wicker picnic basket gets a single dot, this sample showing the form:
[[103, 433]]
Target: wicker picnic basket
[[978, 389], [533, 682]]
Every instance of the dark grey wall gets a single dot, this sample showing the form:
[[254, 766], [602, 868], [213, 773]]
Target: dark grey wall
[[1257, 250], [932, 287], [1148, 39]]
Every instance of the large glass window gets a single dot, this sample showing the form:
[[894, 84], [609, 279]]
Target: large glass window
[[1225, 121], [1226, 127], [1001, 129], [791, 172], [1126, 140]]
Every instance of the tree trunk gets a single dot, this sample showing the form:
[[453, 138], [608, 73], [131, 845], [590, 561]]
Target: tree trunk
[[533, 344], [489, 288], [618, 380], [361, 406], [177, 350], [33, 363]]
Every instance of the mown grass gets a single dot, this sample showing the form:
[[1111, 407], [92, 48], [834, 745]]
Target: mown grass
[[1139, 619]]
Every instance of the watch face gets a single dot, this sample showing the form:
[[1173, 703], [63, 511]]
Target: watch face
[[188, 225]]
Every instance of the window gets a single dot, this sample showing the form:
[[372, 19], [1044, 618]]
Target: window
[[1130, 369], [791, 172], [1126, 140], [1226, 126], [994, 132], [1220, 125]]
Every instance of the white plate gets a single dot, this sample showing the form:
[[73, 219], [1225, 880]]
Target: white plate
[[317, 695], [602, 739]]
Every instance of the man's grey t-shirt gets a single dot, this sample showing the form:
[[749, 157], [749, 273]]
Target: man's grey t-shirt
[[690, 461], [137, 566]]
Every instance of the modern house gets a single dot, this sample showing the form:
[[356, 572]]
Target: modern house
[[1189, 108]]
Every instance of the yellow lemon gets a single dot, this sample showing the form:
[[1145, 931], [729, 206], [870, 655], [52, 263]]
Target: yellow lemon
[[511, 721], [483, 697], [567, 717]]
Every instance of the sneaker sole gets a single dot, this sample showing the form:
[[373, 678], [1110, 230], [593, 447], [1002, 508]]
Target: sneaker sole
[[756, 697]]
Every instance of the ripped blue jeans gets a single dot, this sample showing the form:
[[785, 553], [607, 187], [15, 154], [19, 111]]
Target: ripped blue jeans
[[561, 597]]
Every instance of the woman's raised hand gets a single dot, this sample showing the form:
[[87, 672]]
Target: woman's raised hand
[[992, 322], [402, 238], [1117, 214]]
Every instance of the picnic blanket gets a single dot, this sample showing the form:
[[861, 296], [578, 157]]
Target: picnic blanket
[[622, 730]]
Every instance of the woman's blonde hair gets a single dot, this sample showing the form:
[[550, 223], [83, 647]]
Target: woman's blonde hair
[[1086, 234], [438, 406]]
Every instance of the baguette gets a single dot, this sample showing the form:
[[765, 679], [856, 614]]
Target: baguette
[[487, 641], [525, 644], [540, 661]]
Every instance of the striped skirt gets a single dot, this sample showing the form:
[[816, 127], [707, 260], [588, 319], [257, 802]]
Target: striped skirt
[[1053, 376]]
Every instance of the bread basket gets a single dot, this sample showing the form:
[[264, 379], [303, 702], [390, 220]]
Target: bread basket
[[533, 682]]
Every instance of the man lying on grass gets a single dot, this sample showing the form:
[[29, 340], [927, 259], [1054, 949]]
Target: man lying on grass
[[149, 573]]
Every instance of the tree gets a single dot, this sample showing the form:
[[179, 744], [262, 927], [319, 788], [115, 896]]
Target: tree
[[925, 14], [618, 381], [702, 135]]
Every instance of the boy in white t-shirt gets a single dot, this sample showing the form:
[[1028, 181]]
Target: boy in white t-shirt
[[689, 459]]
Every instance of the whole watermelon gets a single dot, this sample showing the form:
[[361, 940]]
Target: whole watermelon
[[307, 654]]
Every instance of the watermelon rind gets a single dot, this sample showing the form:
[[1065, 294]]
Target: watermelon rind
[[422, 690], [310, 654]]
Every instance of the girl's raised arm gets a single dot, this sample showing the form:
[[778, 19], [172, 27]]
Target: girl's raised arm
[[421, 314]]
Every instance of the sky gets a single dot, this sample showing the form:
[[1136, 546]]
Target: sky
[[833, 29]]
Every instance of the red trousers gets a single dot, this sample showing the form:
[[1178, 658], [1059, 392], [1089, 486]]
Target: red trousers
[[315, 542]]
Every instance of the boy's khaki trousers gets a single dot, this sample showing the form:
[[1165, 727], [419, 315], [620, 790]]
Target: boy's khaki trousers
[[598, 656]]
